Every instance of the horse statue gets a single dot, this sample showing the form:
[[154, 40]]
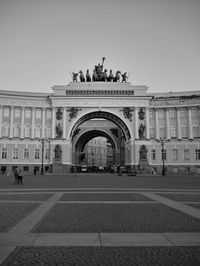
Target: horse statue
[[94, 75], [110, 77], [117, 76], [88, 77], [104, 75], [82, 78]]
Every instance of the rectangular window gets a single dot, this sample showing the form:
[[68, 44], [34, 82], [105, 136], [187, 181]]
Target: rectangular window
[[25, 168], [173, 132], [161, 114], [4, 153], [183, 113], [152, 132], [47, 155], [6, 112], [172, 113], [184, 132], [28, 113], [151, 114], [174, 154], [37, 154], [195, 130], [197, 151], [48, 115], [26, 153], [17, 113], [162, 132], [194, 113], [38, 113], [15, 153], [153, 154], [186, 154]]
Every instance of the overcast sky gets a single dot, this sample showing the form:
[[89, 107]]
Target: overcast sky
[[157, 41]]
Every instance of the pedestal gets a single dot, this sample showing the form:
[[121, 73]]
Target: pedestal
[[145, 168]]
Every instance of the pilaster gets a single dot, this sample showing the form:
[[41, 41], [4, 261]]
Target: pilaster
[[178, 124], [147, 123], [190, 124], [157, 124], [167, 124], [64, 122], [53, 122], [33, 123], [136, 123], [11, 121], [43, 122], [22, 123]]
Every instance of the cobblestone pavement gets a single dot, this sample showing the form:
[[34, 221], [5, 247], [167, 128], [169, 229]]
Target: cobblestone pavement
[[12, 213], [100, 220], [115, 218], [180, 256]]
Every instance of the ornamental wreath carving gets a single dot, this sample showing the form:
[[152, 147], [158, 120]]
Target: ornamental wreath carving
[[127, 111], [141, 114], [73, 111], [59, 114]]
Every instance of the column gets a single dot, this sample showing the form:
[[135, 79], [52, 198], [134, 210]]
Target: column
[[33, 123], [157, 124], [167, 124], [147, 123], [11, 121], [190, 124], [136, 123], [64, 122], [53, 122], [1, 113], [178, 124], [43, 122], [22, 124]]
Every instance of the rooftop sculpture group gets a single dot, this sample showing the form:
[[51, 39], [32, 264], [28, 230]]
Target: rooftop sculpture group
[[99, 75]]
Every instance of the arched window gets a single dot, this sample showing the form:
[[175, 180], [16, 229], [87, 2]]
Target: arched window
[[48, 131], [16, 131], [5, 130], [27, 131], [37, 131]]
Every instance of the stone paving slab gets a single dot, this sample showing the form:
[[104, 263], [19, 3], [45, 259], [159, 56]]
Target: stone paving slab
[[103, 197], [91, 256], [181, 197], [184, 239], [13, 213], [64, 218], [25, 197]]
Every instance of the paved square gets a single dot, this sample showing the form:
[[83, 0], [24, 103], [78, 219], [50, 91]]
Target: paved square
[[67, 220]]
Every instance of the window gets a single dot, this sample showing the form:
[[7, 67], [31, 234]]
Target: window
[[175, 169], [162, 132], [27, 131], [186, 154], [172, 113], [48, 132], [26, 153], [183, 113], [47, 154], [151, 114], [16, 131], [15, 153], [161, 114], [37, 154], [4, 153], [194, 113], [37, 132], [48, 114], [6, 112], [153, 154], [184, 132], [173, 132], [28, 113], [26, 169], [38, 113], [5, 130], [17, 113], [152, 132], [195, 130], [174, 154], [197, 151]]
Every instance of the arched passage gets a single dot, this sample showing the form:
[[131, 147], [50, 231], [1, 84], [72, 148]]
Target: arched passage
[[105, 115]]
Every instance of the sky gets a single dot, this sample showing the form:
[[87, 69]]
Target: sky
[[156, 41]]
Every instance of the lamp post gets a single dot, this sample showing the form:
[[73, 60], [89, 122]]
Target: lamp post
[[163, 141], [43, 140]]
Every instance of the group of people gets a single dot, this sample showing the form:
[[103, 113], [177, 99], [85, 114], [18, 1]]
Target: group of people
[[18, 174]]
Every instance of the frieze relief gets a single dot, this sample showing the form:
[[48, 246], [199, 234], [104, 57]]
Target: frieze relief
[[24, 102], [175, 101], [103, 93]]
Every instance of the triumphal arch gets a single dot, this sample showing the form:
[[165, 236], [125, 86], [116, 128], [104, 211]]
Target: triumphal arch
[[147, 131]]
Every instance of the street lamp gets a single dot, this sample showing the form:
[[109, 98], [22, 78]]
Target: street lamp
[[163, 141], [43, 140]]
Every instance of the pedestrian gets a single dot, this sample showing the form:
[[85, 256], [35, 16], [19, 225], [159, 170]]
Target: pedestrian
[[35, 171], [20, 176], [15, 175]]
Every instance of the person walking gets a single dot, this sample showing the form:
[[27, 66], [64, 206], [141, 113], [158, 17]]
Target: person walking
[[15, 175], [20, 176]]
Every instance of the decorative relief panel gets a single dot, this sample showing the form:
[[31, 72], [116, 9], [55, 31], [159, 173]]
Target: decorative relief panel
[[104, 93], [127, 111], [183, 100]]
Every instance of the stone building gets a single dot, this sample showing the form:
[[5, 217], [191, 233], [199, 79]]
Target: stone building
[[46, 130]]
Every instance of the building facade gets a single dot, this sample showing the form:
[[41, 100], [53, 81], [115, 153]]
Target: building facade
[[46, 130]]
